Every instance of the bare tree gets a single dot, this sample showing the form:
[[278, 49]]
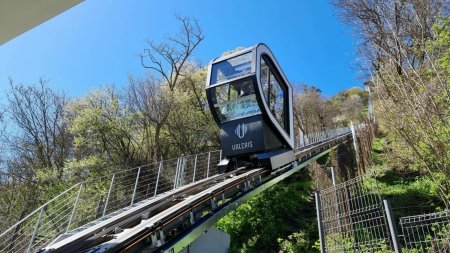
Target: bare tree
[[151, 104], [191, 126], [169, 58], [36, 140], [312, 111], [38, 114]]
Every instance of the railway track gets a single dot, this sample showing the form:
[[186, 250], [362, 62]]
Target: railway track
[[161, 222], [105, 230]]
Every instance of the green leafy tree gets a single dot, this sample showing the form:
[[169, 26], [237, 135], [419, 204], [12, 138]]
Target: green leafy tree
[[106, 138]]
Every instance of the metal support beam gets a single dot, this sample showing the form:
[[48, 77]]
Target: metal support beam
[[191, 216], [338, 207], [209, 159], [355, 142], [135, 186], [109, 194], [36, 227], [177, 171], [154, 240], [181, 172], [74, 208], [195, 167], [161, 236], [213, 203], [157, 178]]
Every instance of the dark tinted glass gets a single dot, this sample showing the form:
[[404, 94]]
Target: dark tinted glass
[[276, 100]]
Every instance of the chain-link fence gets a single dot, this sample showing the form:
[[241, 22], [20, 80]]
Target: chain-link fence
[[352, 217]]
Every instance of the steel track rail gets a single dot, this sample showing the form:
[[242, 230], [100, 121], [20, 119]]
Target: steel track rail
[[153, 206], [137, 238], [191, 234], [141, 239]]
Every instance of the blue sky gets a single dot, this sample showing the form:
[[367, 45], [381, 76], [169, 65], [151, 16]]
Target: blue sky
[[98, 42]]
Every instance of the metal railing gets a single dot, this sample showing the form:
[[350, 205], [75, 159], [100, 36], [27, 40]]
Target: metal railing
[[78, 207], [304, 140], [427, 232]]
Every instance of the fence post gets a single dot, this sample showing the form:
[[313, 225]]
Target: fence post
[[320, 222], [177, 172], [36, 229], [209, 159], [180, 181], [355, 142], [195, 167], [74, 208], [135, 186], [392, 227], [333, 177], [301, 138], [157, 177], [109, 194]]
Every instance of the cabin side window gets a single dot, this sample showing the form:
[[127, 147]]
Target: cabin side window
[[264, 79], [276, 100], [274, 93]]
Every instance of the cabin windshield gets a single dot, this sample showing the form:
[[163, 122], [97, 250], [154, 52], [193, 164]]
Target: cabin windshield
[[235, 100], [231, 68]]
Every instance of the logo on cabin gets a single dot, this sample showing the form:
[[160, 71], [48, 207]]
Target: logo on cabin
[[241, 130]]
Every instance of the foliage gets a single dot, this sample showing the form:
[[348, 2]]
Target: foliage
[[409, 191], [191, 126], [103, 128], [296, 243], [313, 112], [286, 208], [352, 104], [406, 47]]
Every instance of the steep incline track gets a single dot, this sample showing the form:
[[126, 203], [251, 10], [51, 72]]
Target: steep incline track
[[174, 219]]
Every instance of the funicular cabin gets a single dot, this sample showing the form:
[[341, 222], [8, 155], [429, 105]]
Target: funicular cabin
[[251, 101]]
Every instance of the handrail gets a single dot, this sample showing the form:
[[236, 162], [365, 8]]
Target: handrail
[[38, 209]]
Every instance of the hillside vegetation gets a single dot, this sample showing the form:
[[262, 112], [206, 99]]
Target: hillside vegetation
[[405, 58]]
